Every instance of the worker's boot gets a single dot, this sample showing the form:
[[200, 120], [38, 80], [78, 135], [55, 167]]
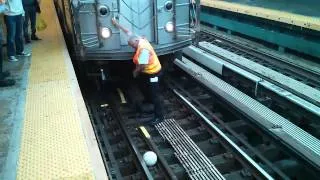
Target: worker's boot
[[143, 107], [147, 108]]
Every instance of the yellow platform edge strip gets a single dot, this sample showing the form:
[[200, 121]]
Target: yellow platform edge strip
[[275, 15], [57, 140]]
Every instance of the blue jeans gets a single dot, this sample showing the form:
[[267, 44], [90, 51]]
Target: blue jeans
[[14, 34], [30, 14]]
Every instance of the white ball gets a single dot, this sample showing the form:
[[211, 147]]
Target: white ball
[[150, 158]]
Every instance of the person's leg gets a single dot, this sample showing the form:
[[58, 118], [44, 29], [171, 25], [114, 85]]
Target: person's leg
[[142, 105], [4, 74], [1, 55], [11, 31], [154, 89], [144, 87], [18, 37], [33, 20], [26, 25]]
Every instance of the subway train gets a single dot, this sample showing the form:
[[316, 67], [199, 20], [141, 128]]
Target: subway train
[[169, 25]]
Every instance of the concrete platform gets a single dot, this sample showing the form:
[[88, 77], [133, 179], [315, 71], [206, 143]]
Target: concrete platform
[[12, 103]]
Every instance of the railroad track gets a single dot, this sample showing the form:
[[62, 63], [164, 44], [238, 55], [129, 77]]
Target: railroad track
[[297, 87], [203, 137], [297, 71], [249, 137], [235, 148], [289, 102]]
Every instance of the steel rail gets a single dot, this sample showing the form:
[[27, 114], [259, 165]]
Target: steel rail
[[230, 130], [257, 168], [147, 138]]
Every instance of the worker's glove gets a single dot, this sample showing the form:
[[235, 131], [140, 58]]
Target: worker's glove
[[114, 21], [129, 34]]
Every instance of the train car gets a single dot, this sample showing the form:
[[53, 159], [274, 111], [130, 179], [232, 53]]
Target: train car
[[168, 24]]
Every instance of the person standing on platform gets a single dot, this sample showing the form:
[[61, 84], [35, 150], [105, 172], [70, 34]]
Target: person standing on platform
[[14, 20], [148, 68], [3, 74], [31, 8]]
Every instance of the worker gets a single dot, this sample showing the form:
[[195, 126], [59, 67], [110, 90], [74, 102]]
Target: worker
[[147, 68]]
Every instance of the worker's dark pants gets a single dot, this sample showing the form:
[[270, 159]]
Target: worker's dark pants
[[151, 91], [30, 15]]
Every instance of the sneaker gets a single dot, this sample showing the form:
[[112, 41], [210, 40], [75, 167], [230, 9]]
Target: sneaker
[[4, 75], [23, 54], [12, 59], [6, 83], [35, 38]]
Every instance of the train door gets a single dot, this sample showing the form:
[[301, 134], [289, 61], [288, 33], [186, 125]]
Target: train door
[[137, 16], [172, 21], [88, 25]]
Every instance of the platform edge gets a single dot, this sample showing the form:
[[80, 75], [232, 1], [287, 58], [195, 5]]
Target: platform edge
[[87, 129]]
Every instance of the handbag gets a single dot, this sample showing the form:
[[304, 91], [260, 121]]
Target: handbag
[[40, 24]]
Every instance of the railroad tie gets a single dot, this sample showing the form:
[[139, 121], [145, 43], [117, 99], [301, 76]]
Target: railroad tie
[[195, 162]]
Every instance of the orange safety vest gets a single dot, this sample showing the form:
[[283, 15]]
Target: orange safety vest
[[154, 65]]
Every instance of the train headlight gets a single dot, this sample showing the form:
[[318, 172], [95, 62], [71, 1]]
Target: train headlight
[[168, 5], [105, 32], [103, 10], [169, 27]]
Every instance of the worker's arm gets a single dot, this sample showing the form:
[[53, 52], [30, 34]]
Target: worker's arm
[[115, 23], [143, 60], [139, 68]]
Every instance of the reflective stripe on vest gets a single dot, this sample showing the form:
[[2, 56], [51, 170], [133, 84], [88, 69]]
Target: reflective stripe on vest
[[153, 65]]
